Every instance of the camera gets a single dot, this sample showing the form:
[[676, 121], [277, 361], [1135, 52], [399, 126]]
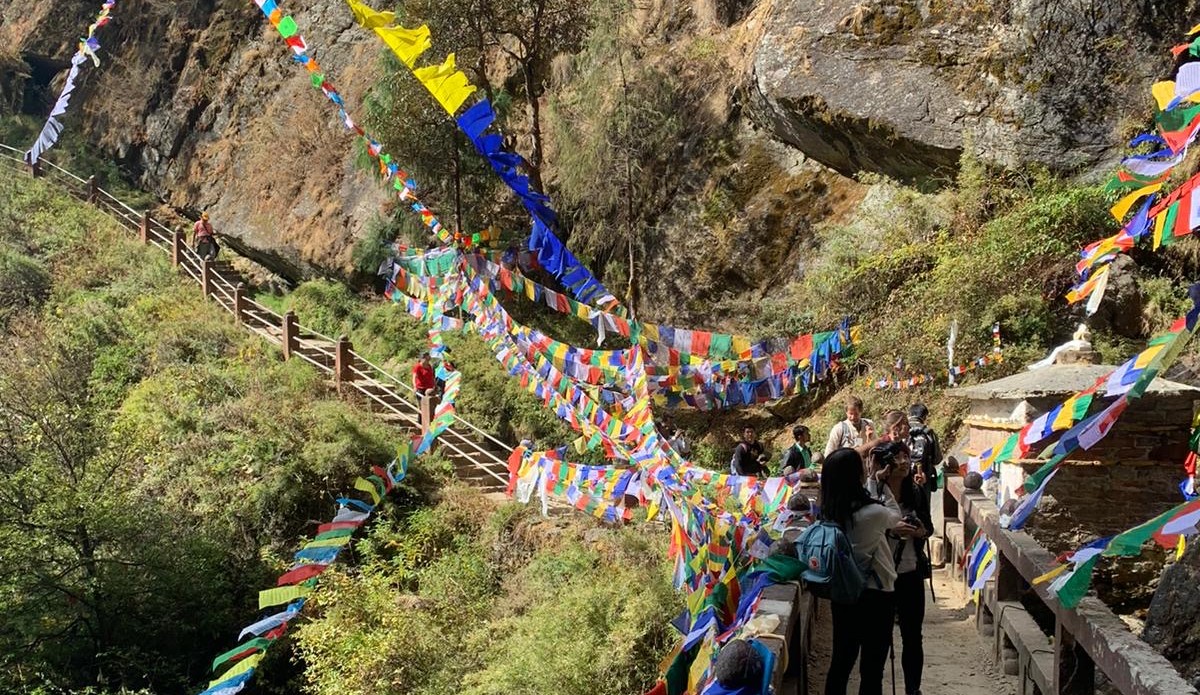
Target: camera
[[912, 520]]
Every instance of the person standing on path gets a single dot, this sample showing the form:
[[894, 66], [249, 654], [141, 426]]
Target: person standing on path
[[923, 441], [851, 432], [862, 631], [204, 239], [894, 485]]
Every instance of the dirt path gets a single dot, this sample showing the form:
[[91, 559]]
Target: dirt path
[[956, 661]]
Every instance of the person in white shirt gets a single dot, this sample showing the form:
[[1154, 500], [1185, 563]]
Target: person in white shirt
[[851, 432], [865, 626]]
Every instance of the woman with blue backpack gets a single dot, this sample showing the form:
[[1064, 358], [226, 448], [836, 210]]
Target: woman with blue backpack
[[863, 605]]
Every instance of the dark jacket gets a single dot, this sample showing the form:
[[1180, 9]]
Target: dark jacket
[[745, 460]]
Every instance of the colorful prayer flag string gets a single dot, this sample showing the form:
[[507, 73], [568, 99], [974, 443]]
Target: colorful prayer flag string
[[89, 46]]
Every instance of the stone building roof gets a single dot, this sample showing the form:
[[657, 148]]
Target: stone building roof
[[1060, 380]]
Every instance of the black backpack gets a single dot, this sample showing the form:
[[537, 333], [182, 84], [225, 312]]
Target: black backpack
[[925, 453]]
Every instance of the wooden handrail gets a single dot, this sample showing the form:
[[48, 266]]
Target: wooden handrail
[[268, 323], [1131, 665]]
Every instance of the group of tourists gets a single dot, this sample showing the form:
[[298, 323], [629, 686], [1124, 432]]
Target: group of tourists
[[875, 489]]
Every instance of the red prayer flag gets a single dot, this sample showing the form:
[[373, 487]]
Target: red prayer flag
[[300, 574], [802, 347], [701, 342], [337, 526]]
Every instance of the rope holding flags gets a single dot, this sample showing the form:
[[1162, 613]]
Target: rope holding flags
[[89, 46]]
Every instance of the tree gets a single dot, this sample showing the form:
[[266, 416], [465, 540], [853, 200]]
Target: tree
[[619, 133], [528, 32]]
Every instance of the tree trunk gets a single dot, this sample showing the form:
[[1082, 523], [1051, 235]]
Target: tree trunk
[[535, 125], [457, 187]]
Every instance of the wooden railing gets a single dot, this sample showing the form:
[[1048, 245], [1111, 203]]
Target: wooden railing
[[479, 456], [1085, 638]]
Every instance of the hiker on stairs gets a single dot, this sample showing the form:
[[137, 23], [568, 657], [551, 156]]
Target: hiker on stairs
[[204, 240]]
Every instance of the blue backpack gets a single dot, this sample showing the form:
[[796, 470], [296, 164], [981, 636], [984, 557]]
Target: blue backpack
[[830, 570]]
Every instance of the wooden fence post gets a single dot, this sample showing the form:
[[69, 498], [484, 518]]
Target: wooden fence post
[[92, 193], [176, 247], [206, 277], [427, 407], [144, 228], [341, 362], [239, 302], [1074, 670], [290, 334]]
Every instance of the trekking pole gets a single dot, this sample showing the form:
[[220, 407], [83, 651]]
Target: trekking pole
[[932, 596], [892, 649]]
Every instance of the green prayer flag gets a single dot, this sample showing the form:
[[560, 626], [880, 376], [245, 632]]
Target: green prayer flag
[[1130, 542], [1076, 587], [287, 27], [336, 533], [1169, 225], [720, 346], [1034, 481], [257, 644]]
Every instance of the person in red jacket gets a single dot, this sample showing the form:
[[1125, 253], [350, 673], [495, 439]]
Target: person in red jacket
[[424, 381]]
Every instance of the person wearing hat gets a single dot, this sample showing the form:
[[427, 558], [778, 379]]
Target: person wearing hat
[[204, 240]]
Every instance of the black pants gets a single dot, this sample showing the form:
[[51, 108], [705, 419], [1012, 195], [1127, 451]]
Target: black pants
[[207, 249], [864, 627], [910, 609]]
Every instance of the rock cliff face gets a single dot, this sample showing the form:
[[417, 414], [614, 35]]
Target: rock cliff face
[[199, 100], [1173, 623], [898, 86]]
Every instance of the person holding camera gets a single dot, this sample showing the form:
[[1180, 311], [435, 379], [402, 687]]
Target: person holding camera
[[862, 631], [896, 488], [749, 457]]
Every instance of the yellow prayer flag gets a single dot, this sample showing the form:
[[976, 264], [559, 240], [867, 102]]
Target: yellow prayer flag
[[1145, 357], [701, 665], [281, 595], [1179, 549], [650, 331], [1065, 417], [1121, 209], [368, 18], [1160, 225], [741, 345], [407, 44], [367, 487], [652, 509], [1164, 93], [1194, 30], [448, 86], [329, 542], [238, 669], [1052, 573]]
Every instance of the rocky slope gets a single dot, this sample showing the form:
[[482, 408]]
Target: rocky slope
[[201, 104]]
